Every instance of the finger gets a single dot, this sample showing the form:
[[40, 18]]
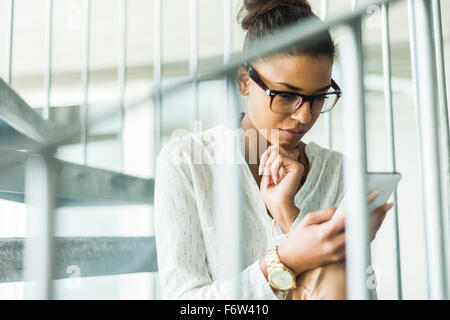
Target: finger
[[341, 253], [265, 181], [373, 195], [378, 221], [337, 247], [374, 231], [275, 147], [379, 214], [382, 215], [339, 240], [377, 217], [269, 180], [320, 216], [389, 206], [383, 208], [266, 168], [282, 173], [275, 168], [263, 160], [375, 226], [337, 224]]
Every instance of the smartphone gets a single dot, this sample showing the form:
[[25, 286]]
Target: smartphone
[[386, 182]]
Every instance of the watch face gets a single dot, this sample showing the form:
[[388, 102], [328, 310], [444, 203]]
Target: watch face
[[281, 279]]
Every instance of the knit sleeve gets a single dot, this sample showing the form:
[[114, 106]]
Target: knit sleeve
[[181, 252]]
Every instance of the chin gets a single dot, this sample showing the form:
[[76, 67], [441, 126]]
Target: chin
[[290, 143]]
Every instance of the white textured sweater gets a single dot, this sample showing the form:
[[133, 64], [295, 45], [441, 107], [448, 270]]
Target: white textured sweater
[[184, 206]]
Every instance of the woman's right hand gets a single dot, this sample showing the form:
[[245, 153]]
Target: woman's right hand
[[315, 241], [318, 240]]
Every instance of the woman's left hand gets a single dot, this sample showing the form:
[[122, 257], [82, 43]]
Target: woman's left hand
[[377, 216]]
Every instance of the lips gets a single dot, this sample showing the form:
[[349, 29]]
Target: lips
[[293, 134], [295, 130]]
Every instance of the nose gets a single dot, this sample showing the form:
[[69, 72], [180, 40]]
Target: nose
[[303, 113]]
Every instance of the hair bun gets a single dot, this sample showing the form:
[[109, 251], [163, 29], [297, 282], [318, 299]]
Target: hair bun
[[255, 8]]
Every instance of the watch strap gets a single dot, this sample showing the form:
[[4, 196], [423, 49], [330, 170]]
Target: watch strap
[[273, 263]]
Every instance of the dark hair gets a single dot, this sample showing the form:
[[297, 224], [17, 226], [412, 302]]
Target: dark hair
[[264, 17]]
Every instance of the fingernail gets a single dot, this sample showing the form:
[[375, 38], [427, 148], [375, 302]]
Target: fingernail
[[389, 205], [374, 194]]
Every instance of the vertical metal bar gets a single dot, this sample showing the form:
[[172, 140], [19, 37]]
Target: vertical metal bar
[[372, 293], [157, 120], [227, 53], [440, 69], [48, 58], [232, 244], [328, 124], [157, 66], [85, 79], [429, 146], [193, 59], [227, 31], [414, 63], [122, 75], [39, 246], [323, 9], [444, 121], [387, 71], [356, 221], [10, 41], [231, 237]]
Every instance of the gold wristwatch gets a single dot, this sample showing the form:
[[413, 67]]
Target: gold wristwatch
[[280, 277]]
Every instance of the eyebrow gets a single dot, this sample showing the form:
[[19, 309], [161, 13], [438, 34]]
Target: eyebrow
[[290, 86]]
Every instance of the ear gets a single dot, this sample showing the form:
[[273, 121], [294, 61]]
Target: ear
[[243, 81]]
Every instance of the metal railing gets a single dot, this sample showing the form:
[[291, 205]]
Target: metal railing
[[433, 136], [427, 108]]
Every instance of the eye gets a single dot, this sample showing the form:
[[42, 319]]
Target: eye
[[288, 96], [321, 97]]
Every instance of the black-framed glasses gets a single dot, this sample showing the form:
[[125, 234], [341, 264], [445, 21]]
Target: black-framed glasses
[[287, 102]]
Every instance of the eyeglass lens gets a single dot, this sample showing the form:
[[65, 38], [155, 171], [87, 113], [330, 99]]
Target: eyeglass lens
[[287, 103]]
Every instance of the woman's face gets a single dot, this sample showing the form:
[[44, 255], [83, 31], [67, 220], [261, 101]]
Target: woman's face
[[299, 74]]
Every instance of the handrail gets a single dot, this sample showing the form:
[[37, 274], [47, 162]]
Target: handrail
[[300, 31], [78, 185], [19, 115], [91, 256]]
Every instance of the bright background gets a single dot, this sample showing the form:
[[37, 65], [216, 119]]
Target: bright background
[[103, 151]]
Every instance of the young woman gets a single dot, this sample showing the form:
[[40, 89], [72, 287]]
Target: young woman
[[291, 191]]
